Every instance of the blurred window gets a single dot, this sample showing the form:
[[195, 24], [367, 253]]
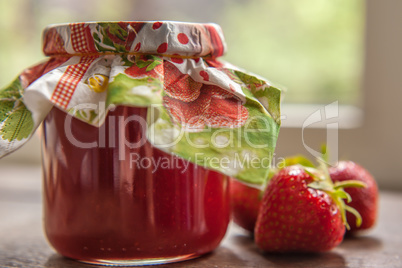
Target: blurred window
[[313, 48]]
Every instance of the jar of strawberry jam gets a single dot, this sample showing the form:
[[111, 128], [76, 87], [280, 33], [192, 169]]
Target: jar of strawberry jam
[[142, 127], [100, 209]]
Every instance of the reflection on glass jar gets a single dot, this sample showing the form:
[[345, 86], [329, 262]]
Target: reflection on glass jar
[[152, 207]]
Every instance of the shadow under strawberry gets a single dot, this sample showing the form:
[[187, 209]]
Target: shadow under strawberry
[[288, 259], [324, 259], [361, 243]]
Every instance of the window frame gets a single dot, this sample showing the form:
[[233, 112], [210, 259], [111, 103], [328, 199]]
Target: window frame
[[373, 138]]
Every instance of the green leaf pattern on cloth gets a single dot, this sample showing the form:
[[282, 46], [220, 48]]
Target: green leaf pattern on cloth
[[237, 152], [139, 84], [16, 122], [15, 118], [269, 96], [141, 92], [116, 37]]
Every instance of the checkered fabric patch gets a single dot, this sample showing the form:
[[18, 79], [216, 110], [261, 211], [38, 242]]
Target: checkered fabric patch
[[78, 37], [69, 80], [58, 43]]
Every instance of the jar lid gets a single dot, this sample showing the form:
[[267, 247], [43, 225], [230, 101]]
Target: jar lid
[[147, 37]]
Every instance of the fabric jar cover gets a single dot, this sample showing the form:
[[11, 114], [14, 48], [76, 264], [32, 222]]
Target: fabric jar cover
[[204, 110]]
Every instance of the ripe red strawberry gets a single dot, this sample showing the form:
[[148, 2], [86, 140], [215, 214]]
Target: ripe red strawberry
[[296, 216], [364, 200], [246, 202]]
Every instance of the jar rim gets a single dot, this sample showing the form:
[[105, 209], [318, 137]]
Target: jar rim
[[66, 24], [186, 39]]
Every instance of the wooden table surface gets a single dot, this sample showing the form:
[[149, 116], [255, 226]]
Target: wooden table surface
[[22, 242]]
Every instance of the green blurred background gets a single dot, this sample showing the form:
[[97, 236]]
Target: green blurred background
[[312, 48]]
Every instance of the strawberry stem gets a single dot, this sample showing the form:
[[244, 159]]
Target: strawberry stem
[[296, 160], [356, 213], [342, 208], [337, 191], [343, 195], [349, 183], [324, 153]]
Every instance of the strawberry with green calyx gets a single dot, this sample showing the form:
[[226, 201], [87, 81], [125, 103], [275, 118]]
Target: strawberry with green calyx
[[338, 194], [364, 200], [302, 210], [245, 201], [327, 184]]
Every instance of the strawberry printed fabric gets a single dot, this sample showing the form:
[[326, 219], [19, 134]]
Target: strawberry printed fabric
[[203, 109]]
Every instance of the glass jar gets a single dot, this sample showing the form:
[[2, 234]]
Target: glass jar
[[154, 208], [142, 127]]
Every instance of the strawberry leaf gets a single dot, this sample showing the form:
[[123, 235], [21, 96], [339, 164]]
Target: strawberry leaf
[[349, 183], [321, 185], [340, 193], [357, 215], [294, 160], [324, 153], [316, 174]]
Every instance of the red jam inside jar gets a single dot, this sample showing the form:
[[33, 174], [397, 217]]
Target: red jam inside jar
[[101, 209]]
